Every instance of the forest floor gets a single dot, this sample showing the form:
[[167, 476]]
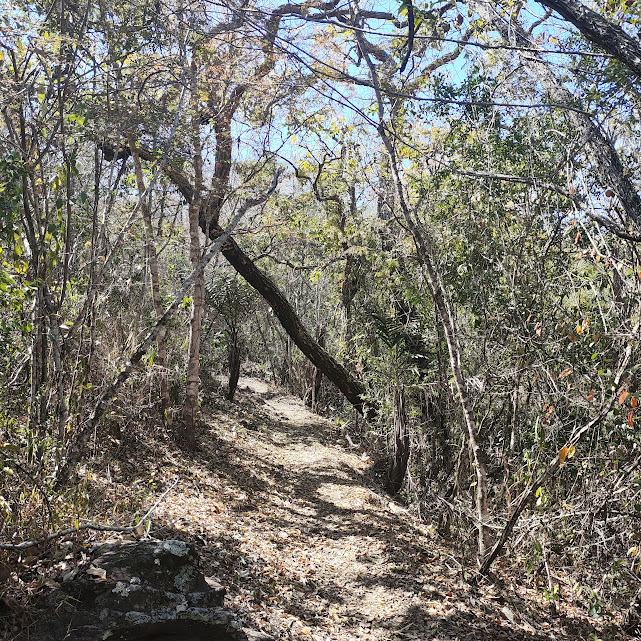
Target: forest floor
[[292, 522], [289, 517]]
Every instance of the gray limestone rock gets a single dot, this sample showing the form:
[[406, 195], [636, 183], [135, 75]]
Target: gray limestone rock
[[137, 591]]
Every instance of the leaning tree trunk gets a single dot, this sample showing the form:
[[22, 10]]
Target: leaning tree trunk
[[353, 390]]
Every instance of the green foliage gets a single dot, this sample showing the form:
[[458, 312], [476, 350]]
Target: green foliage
[[597, 606], [230, 297], [15, 288]]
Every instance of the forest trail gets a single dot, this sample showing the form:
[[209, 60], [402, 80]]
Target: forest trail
[[309, 548]]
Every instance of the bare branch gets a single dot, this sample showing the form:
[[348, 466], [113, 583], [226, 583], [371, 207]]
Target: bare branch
[[138, 528], [108, 394]]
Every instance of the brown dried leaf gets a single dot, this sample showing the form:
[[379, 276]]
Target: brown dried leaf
[[98, 573], [563, 454]]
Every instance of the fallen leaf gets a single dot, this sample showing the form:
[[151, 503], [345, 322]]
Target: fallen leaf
[[509, 615], [98, 573]]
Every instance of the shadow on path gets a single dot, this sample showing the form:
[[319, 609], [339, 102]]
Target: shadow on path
[[310, 548]]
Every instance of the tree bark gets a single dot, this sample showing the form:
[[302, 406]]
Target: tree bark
[[423, 246], [37, 396], [190, 408], [233, 361], [401, 444], [317, 377], [598, 30]]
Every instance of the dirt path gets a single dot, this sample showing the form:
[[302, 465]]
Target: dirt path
[[290, 521]]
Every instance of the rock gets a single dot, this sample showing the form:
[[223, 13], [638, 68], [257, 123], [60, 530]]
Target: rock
[[135, 591]]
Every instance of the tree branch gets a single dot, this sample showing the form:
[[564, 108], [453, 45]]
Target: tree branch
[[551, 469], [95, 527], [597, 29]]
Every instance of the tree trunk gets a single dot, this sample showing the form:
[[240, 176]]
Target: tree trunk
[[190, 408], [62, 410], [37, 397], [401, 444], [233, 361], [286, 365], [454, 349], [32, 224], [317, 377], [353, 389]]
